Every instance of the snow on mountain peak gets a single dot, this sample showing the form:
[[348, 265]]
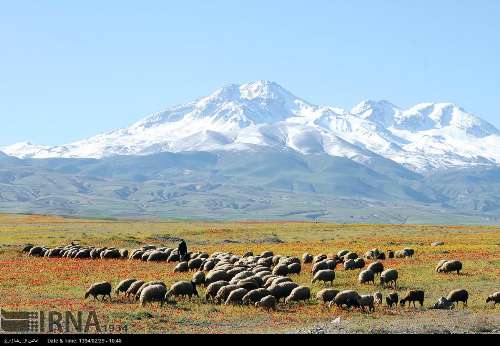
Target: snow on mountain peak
[[262, 113]]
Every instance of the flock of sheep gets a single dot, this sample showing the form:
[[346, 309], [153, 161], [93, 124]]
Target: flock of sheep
[[261, 280]]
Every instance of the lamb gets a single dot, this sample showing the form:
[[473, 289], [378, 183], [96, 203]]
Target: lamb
[[181, 267], [236, 296], [377, 297], [376, 267], [349, 264], [459, 295], [134, 287], [99, 289], [392, 299], [495, 298], [413, 296], [182, 289], [198, 278], [366, 276], [124, 285], [366, 300], [326, 295], [388, 276], [326, 275], [213, 288], [255, 296], [307, 258], [450, 266], [153, 293], [298, 294], [346, 298], [268, 303]]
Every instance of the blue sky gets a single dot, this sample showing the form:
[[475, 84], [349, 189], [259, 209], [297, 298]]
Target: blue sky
[[70, 70]]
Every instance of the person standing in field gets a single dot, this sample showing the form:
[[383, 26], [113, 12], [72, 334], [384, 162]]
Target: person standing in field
[[182, 250]]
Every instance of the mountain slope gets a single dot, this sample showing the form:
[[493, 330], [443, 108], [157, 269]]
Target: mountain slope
[[250, 117]]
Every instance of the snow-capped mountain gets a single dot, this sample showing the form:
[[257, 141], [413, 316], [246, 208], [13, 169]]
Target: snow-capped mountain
[[425, 137]]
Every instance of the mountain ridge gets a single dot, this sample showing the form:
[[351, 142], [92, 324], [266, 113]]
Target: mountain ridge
[[426, 137]]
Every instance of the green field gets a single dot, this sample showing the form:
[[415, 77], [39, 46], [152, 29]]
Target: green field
[[59, 284]]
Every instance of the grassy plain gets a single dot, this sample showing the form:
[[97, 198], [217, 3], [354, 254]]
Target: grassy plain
[[59, 284]]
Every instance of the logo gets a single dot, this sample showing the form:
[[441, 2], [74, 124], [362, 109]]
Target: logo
[[54, 321], [19, 321]]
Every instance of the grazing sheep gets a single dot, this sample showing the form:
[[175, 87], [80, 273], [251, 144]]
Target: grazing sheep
[[495, 298], [99, 289], [216, 275], [267, 254], [157, 256], [298, 294], [110, 254], [440, 264], [443, 304], [322, 265], [236, 296], [350, 255], [359, 263], [349, 264], [319, 258], [123, 253], [174, 257], [294, 268], [376, 267], [268, 303], [450, 266], [208, 265], [341, 253], [377, 297], [249, 284], [247, 254], [459, 295], [224, 292], [135, 255], [153, 293], [255, 295], [134, 287], [181, 267], [388, 276], [366, 300], [124, 285], [213, 288], [27, 248], [326, 295], [307, 258], [198, 278], [241, 276], [413, 296], [392, 299], [266, 262], [195, 263], [282, 290], [146, 284], [390, 254], [326, 275], [346, 298], [366, 276], [82, 254], [409, 251], [182, 289], [438, 243], [280, 270], [36, 251]]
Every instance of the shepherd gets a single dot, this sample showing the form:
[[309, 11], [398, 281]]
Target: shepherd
[[182, 250]]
